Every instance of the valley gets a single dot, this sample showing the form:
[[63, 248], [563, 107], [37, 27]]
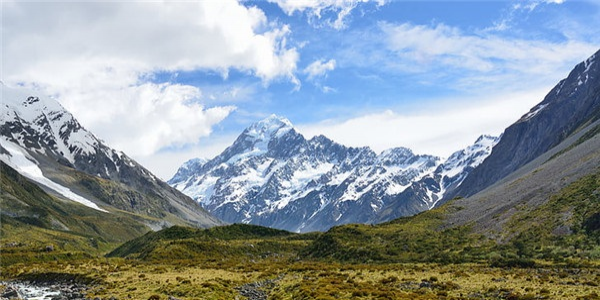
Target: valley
[[277, 215]]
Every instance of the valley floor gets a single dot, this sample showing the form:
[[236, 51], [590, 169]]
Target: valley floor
[[273, 278]]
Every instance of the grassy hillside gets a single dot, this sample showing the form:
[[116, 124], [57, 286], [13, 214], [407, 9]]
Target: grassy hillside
[[565, 229], [567, 226], [232, 242], [31, 220], [410, 258]]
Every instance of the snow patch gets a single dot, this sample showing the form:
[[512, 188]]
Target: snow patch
[[534, 112], [20, 161]]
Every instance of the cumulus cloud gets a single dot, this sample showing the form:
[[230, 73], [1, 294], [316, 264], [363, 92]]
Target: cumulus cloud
[[152, 117], [316, 9], [98, 59], [437, 130], [319, 68]]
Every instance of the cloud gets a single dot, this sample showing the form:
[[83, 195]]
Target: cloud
[[449, 46], [150, 117], [98, 59], [517, 12], [164, 164], [316, 9], [438, 130], [319, 68], [464, 60]]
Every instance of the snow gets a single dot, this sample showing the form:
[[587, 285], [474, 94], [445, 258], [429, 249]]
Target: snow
[[22, 106], [295, 188], [255, 184], [339, 178], [589, 62], [301, 178], [20, 161], [259, 149], [260, 134], [536, 110], [395, 189], [479, 151], [271, 127]]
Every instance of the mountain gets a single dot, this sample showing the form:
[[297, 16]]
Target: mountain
[[554, 146], [536, 196], [45, 144], [571, 105], [272, 176]]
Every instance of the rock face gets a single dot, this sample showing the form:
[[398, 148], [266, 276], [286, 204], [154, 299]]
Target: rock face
[[272, 176], [45, 143], [572, 104]]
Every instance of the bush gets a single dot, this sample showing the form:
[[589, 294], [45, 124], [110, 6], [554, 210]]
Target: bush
[[513, 263]]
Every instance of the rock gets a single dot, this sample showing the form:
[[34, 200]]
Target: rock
[[11, 293]]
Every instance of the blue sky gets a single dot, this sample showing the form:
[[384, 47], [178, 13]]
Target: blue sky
[[169, 81]]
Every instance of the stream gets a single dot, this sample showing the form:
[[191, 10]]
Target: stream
[[32, 291]]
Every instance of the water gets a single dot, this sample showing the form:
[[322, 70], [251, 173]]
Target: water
[[31, 292]]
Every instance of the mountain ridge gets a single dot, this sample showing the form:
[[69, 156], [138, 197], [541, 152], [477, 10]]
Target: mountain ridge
[[272, 176]]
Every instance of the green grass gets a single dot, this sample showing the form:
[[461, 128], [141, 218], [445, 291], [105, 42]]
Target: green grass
[[547, 252], [567, 226], [237, 242], [32, 219]]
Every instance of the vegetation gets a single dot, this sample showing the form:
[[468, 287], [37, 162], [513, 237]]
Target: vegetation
[[33, 221], [586, 136], [547, 252]]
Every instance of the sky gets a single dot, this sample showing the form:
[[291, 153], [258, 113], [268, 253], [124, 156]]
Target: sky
[[167, 81]]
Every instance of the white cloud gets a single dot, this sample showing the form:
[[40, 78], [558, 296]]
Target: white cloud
[[319, 68], [316, 8], [438, 130], [518, 12], [98, 58], [164, 164], [478, 60], [149, 117]]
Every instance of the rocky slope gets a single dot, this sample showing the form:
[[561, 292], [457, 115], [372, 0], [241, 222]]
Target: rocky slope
[[571, 105], [272, 176]]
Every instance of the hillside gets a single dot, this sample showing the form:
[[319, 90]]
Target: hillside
[[33, 220], [232, 242]]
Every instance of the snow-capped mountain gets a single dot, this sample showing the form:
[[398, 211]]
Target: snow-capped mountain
[[272, 176], [45, 143]]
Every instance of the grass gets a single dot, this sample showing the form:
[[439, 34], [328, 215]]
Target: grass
[[132, 279], [549, 252], [566, 226]]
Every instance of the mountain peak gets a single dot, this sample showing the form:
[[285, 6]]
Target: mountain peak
[[487, 139], [269, 127]]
